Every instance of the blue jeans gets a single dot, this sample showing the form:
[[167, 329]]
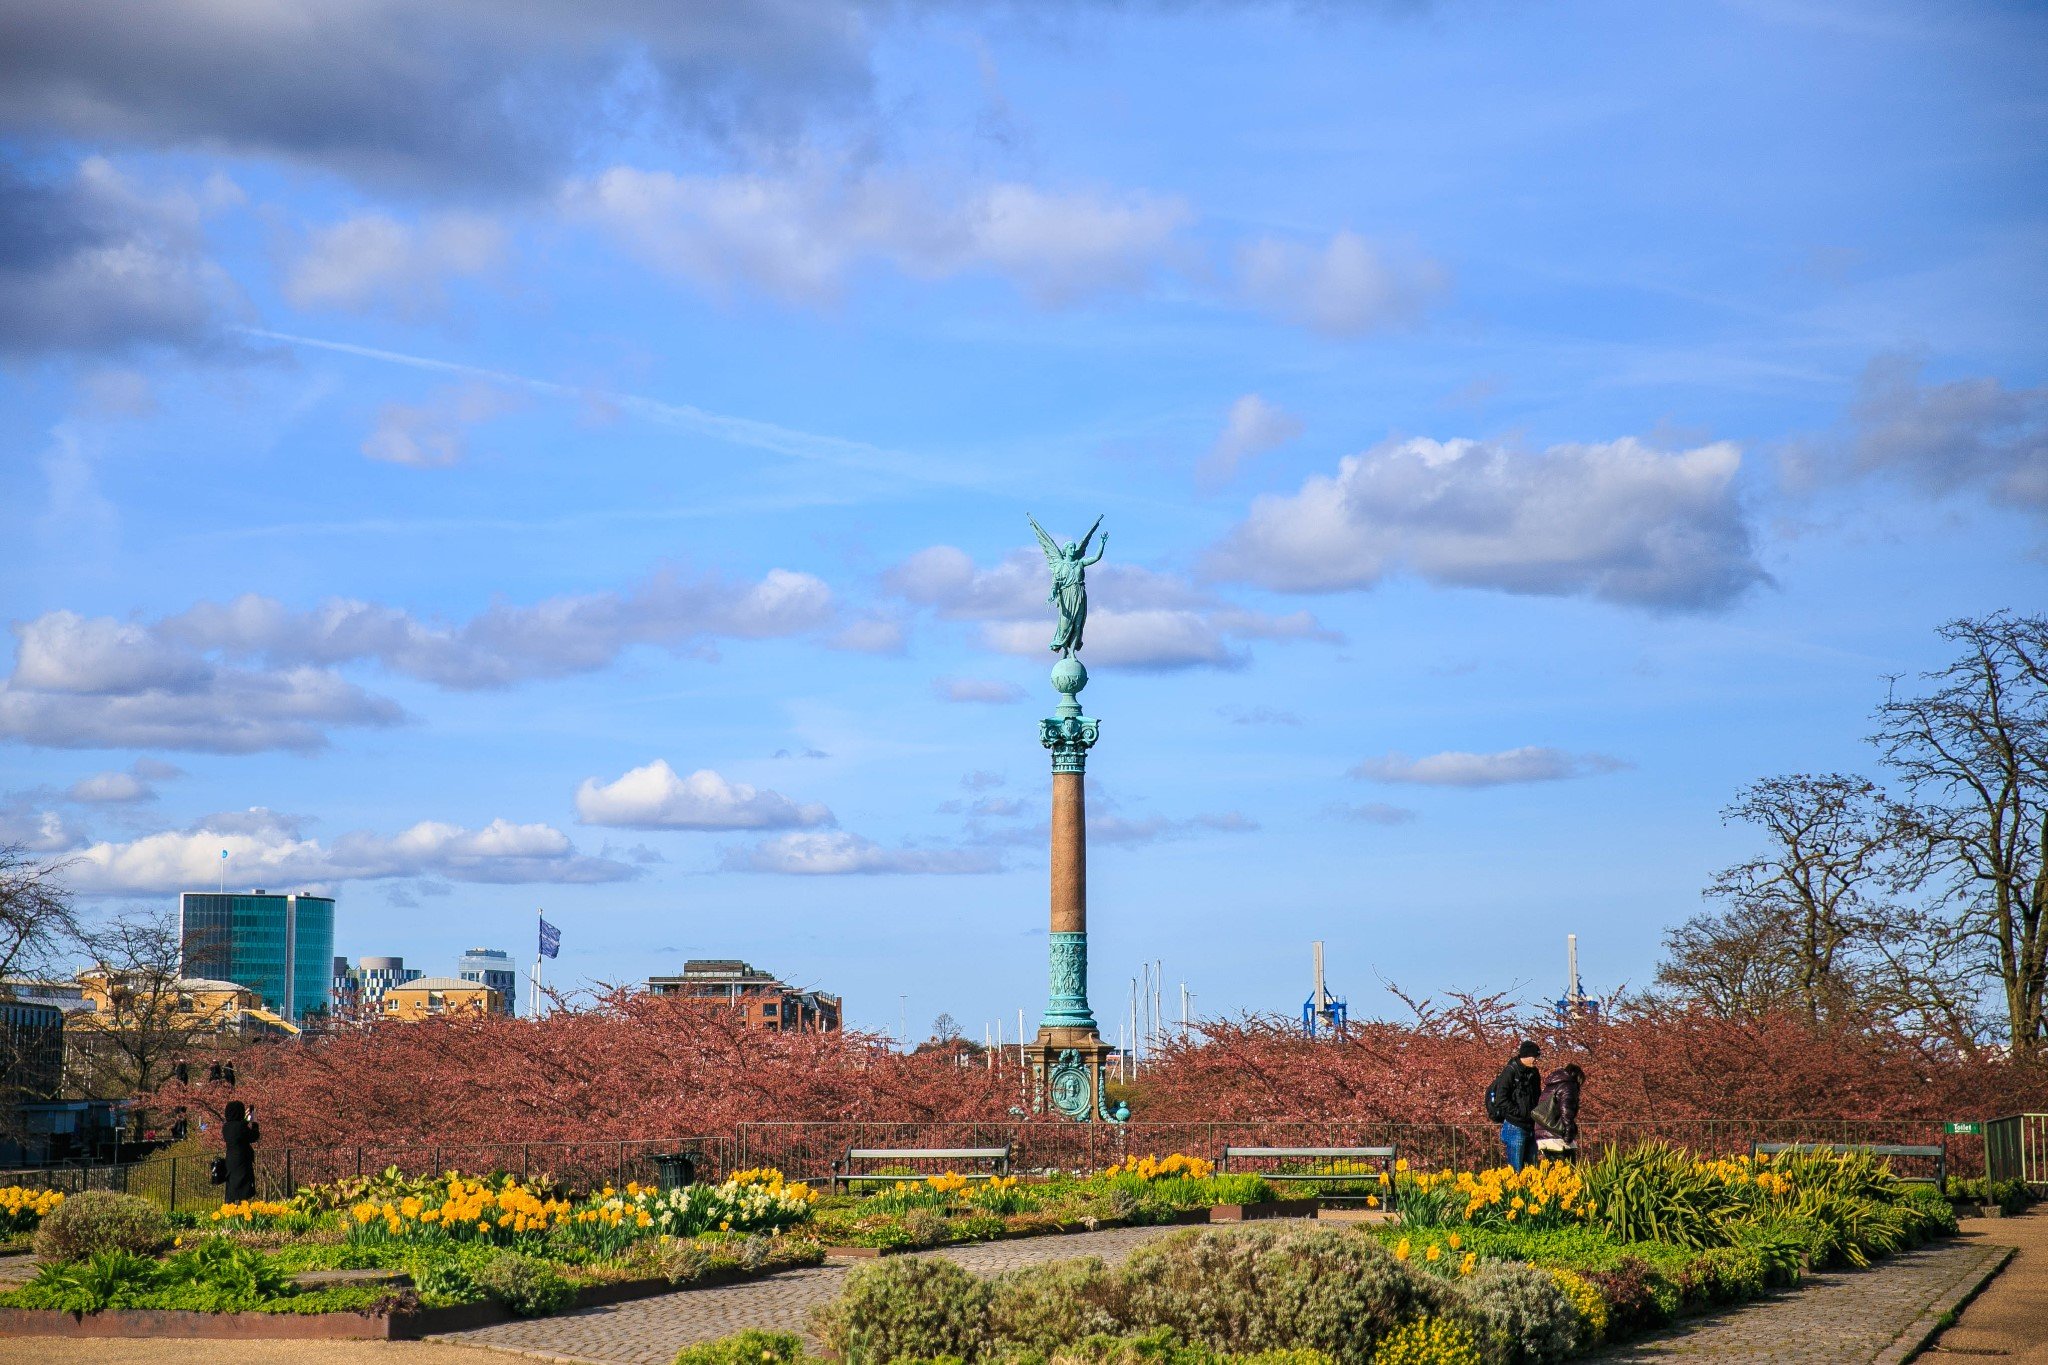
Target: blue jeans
[[1518, 1143]]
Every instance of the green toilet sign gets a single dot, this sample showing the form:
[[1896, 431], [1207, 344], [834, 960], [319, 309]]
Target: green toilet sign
[[1975, 1129]]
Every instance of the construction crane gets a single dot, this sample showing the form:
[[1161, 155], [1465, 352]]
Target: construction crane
[[1574, 1000], [1323, 1012]]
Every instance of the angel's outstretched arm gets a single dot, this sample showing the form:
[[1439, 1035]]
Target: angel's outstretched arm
[[1100, 550], [1045, 542]]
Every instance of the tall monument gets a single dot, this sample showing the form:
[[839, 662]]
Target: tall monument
[[1068, 1055]]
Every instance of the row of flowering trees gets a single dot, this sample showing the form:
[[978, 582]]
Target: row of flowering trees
[[636, 1066]]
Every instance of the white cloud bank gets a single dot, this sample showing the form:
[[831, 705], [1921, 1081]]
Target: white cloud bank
[[798, 236], [1452, 768], [1623, 521], [654, 796], [270, 850], [374, 261], [253, 674]]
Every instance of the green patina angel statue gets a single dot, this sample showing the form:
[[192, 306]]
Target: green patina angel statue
[[1069, 583]]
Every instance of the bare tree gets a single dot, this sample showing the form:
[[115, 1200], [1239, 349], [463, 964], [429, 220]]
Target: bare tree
[[1734, 962], [1809, 895], [1972, 754], [149, 1023], [37, 925]]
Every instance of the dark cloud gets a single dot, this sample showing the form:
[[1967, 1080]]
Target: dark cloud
[[91, 266], [494, 93]]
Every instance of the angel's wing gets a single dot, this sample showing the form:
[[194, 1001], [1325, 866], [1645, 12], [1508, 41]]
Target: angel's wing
[[1045, 542], [1091, 534]]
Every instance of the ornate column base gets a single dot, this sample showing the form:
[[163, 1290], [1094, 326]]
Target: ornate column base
[[1068, 1071]]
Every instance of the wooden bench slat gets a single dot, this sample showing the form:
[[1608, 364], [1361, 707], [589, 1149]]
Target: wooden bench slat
[[927, 1153], [1309, 1151]]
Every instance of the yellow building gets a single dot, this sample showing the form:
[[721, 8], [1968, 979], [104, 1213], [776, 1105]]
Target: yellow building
[[427, 996], [127, 999]]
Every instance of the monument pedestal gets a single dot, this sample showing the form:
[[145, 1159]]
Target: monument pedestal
[[1068, 1070]]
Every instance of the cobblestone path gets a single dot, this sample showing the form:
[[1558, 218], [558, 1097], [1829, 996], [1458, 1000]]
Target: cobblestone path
[[1847, 1317], [651, 1331]]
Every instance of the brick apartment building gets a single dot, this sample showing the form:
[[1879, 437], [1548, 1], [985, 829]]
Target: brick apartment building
[[763, 1000]]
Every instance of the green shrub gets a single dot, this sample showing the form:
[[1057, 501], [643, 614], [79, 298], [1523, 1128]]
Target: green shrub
[[926, 1228], [2011, 1197], [1930, 1212], [1265, 1288], [446, 1281], [1724, 1275], [1524, 1316], [679, 1261], [907, 1306], [1587, 1301], [1637, 1295], [1041, 1308], [525, 1284], [746, 1348], [105, 1279], [217, 1276], [1860, 1228], [100, 1220], [1781, 1244], [1655, 1193], [1430, 1341]]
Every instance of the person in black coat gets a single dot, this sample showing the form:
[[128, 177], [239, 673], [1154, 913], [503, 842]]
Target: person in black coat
[[1515, 1092], [1557, 1113], [240, 1135]]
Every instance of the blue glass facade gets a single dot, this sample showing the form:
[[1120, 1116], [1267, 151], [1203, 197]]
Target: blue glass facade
[[281, 947]]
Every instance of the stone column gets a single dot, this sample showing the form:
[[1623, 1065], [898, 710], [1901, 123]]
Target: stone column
[[1067, 1058]]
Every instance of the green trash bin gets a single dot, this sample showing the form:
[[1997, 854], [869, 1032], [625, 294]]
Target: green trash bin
[[674, 1170]]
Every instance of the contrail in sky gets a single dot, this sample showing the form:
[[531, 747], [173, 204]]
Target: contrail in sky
[[743, 431]]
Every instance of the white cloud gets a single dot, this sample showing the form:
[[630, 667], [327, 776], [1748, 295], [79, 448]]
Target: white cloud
[[655, 797], [1252, 427], [434, 432], [990, 690], [1110, 828], [268, 850], [798, 236], [179, 683], [36, 831], [111, 789], [1347, 287], [98, 683], [1972, 435], [375, 261], [1452, 768], [1137, 618], [836, 853], [1622, 521]]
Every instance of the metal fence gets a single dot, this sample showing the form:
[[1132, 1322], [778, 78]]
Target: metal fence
[[2016, 1148], [809, 1150], [182, 1183]]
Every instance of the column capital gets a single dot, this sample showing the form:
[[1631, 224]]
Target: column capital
[[1069, 738]]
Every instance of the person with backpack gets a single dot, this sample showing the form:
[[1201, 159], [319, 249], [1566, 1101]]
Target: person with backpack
[[1511, 1102], [1556, 1114], [237, 1163]]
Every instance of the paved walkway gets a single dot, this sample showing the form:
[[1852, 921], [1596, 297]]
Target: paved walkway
[[1844, 1317], [651, 1331], [2008, 1323]]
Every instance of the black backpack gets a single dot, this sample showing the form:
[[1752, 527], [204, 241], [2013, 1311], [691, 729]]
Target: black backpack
[[1493, 1113], [217, 1172]]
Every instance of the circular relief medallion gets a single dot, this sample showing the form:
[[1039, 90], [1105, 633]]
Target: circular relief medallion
[[1070, 1089]]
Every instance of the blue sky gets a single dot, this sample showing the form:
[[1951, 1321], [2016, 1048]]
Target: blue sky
[[490, 458]]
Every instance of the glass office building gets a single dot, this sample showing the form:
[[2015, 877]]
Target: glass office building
[[279, 946], [493, 967]]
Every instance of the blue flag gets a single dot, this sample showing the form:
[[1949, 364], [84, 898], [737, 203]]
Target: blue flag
[[550, 940]]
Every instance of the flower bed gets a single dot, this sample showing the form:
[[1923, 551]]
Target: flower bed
[[1486, 1268]]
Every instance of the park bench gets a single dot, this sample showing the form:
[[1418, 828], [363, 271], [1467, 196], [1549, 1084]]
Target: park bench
[[1938, 1152], [843, 1172], [1382, 1155]]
